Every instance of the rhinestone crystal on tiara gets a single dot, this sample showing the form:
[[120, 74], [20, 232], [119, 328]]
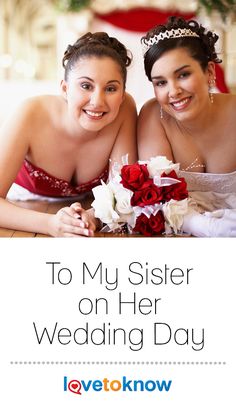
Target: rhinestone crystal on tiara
[[168, 34]]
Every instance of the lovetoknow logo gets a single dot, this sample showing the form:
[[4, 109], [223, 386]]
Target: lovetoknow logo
[[124, 384]]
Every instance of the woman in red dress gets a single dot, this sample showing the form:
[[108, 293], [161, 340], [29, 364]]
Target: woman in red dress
[[62, 146]]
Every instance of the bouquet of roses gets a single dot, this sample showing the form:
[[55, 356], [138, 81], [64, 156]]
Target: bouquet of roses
[[148, 197]]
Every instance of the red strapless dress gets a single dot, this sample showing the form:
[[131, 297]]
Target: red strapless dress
[[38, 181]]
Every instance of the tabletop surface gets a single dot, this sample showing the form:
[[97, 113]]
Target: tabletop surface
[[51, 207]]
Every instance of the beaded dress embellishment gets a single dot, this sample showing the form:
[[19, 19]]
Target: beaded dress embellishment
[[219, 183], [38, 181]]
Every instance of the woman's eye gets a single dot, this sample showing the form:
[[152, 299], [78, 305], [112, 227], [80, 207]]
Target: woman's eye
[[86, 86], [184, 75], [160, 83], [111, 88]]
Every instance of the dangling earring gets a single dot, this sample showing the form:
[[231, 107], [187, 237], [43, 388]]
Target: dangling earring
[[211, 86], [161, 112]]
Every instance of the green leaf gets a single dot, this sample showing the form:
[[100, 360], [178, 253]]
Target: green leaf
[[72, 5]]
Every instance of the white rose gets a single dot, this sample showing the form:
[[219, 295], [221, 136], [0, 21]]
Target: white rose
[[174, 212], [123, 197], [160, 164], [123, 203], [104, 204]]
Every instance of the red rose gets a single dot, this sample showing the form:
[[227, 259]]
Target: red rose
[[150, 226], [133, 176], [148, 194], [176, 191]]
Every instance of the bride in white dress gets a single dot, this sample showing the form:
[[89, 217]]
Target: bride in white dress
[[189, 124]]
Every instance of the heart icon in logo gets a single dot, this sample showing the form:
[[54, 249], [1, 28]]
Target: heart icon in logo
[[75, 386]]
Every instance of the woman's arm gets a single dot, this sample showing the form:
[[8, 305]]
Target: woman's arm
[[15, 139], [151, 136]]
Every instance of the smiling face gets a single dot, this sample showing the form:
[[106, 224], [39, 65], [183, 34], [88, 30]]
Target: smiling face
[[181, 85], [94, 92]]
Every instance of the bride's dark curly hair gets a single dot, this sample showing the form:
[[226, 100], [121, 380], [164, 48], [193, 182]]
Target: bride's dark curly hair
[[201, 48], [97, 44]]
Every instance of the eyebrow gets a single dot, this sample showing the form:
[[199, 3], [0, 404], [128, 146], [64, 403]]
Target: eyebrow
[[176, 71], [91, 80]]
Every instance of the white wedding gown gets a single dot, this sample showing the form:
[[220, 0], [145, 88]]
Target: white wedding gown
[[212, 193]]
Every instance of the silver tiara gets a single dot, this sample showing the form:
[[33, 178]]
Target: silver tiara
[[168, 34]]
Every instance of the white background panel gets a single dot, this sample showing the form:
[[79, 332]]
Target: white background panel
[[200, 368]]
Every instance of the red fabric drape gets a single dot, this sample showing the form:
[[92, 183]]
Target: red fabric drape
[[140, 19], [220, 80]]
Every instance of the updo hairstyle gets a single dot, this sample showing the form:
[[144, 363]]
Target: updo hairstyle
[[97, 44]]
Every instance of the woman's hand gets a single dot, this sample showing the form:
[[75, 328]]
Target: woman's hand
[[72, 221]]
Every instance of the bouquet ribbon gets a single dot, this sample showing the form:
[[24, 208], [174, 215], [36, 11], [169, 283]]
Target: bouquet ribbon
[[147, 210], [164, 181]]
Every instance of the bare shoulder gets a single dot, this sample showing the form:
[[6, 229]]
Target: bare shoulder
[[39, 105], [226, 100], [129, 100], [30, 116], [225, 110], [151, 136], [128, 104], [230, 97], [31, 109], [149, 116], [20, 119], [150, 108], [232, 100]]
